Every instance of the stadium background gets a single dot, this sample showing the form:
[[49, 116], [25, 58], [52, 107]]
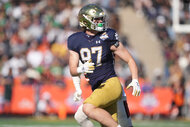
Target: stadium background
[[35, 80]]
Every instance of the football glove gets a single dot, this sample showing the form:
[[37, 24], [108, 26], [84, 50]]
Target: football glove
[[87, 67], [136, 87]]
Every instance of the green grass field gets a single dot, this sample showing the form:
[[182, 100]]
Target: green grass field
[[70, 122]]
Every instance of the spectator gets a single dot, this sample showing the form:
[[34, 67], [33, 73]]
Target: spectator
[[34, 56]]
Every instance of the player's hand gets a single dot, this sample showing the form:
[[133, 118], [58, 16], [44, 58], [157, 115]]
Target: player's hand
[[136, 87], [77, 95], [87, 67]]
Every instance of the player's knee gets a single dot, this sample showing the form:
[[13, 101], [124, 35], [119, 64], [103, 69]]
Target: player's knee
[[88, 109], [80, 115]]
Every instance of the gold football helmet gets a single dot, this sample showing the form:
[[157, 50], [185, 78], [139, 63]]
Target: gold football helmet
[[87, 16]]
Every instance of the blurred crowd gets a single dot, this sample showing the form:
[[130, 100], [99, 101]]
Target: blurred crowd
[[175, 48], [33, 43]]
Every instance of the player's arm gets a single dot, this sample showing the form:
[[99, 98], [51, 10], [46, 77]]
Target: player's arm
[[74, 70], [73, 62], [123, 53]]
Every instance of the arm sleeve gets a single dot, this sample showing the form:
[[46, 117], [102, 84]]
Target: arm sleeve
[[76, 82], [71, 45], [114, 38]]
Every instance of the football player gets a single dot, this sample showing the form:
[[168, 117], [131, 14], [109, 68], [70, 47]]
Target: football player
[[96, 46]]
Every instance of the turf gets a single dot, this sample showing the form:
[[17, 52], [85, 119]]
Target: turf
[[70, 122], [38, 122]]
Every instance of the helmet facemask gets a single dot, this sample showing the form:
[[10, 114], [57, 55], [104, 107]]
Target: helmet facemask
[[99, 26]]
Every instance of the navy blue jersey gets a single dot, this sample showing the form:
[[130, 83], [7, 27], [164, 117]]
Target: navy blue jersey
[[96, 48]]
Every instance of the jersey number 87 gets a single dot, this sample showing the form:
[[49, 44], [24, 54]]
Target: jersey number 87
[[86, 54]]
